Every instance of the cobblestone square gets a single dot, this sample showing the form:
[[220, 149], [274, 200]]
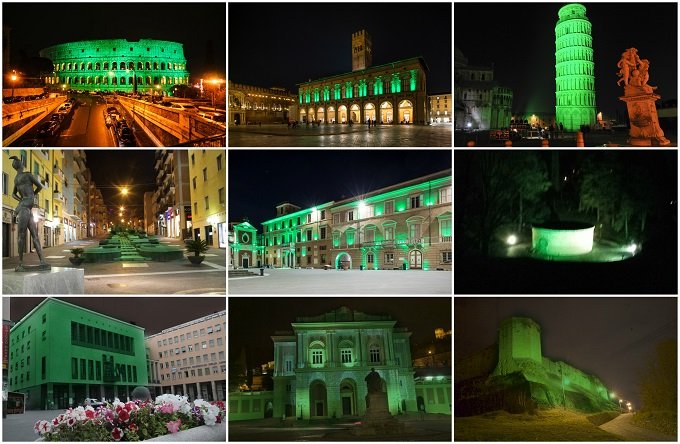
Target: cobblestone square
[[340, 136]]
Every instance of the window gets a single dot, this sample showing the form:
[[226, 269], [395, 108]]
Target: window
[[369, 235], [209, 330], [369, 258], [389, 233], [374, 354], [445, 229], [368, 211], [165, 342], [44, 335], [336, 218], [5, 186], [195, 207], [219, 163], [219, 341], [309, 235], [317, 357], [184, 349], [350, 215], [415, 201], [389, 207], [83, 368], [445, 195], [389, 258], [211, 343], [202, 332], [414, 231], [346, 355], [200, 372], [207, 204], [44, 318], [193, 160], [322, 232], [220, 195], [213, 357], [289, 365], [204, 345], [193, 183], [205, 174], [322, 215], [446, 257]]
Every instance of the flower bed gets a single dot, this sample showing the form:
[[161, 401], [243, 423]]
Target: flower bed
[[131, 421]]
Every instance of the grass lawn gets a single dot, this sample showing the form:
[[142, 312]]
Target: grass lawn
[[546, 425]]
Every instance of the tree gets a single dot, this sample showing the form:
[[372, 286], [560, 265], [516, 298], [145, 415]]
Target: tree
[[495, 181], [659, 380]]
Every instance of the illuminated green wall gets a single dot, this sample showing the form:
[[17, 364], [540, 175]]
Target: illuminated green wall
[[575, 68], [562, 242], [112, 65]]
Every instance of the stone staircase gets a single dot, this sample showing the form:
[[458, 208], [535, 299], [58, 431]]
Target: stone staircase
[[241, 273]]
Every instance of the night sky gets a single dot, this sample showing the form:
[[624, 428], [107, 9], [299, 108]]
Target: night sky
[[290, 43], [520, 39], [36, 26], [154, 314], [252, 321], [113, 168], [611, 338], [261, 179]]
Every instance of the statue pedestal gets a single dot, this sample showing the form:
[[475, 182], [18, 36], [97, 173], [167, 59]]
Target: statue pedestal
[[644, 120], [378, 421], [57, 280]]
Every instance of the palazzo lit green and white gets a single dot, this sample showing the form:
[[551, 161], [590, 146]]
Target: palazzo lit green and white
[[320, 367], [575, 69], [112, 65]]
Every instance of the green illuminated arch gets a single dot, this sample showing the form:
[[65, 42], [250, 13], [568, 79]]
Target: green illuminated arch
[[575, 69]]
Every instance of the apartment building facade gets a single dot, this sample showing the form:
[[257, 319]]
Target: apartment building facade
[[172, 199], [404, 226], [207, 172], [190, 359]]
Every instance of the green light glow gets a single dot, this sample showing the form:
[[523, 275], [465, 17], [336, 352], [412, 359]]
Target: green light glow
[[378, 86], [336, 92], [349, 91], [396, 83], [414, 76], [558, 241], [575, 68]]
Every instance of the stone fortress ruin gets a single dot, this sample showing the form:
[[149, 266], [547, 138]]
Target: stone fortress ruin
[[513, 375]]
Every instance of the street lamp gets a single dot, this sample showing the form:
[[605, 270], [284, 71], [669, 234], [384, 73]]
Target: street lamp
[[124, 191], [14, 80]]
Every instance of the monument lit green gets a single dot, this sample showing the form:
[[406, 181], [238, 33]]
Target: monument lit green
[[117, 65], [562, 239], [575, 69]]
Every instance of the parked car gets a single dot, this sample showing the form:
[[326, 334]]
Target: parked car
[[31, 143], [184, 107], [215, 117], [125, 137], [57, 118], [48, 129], [92, 402]]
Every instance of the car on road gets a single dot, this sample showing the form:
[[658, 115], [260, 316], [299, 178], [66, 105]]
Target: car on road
[[57, 118], [48, 129], [182, 106], [94, 403], [64, 108], [125, 137], [31, 143], [218, 118]]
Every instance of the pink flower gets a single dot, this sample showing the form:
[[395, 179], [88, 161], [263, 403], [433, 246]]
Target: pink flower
[[123, 415], [133, 427], [117, 434], [173, 426], [71, 422], [167, 408], [89, 414], [130, 406]]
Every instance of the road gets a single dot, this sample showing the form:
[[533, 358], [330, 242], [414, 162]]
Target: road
[[85, 126], [622, 426]]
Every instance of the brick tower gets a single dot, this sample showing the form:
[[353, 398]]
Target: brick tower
[[362, 50]]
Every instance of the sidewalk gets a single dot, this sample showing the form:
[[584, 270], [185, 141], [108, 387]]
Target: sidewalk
[[19, 427]]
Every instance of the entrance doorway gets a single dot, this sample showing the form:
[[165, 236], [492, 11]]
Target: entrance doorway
[[317, 399], [343, 260], [208, 235], [245, 262], [348, 397], [237, 119], [197, 234], [354, 113], [416, 259]]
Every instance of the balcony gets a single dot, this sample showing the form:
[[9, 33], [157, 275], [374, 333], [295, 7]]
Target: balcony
[[58, 172], [58, 196]]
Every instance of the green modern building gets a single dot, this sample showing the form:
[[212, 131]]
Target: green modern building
[[61, 354]]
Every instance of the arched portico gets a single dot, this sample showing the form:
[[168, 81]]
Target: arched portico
[[355, 113], [405, 112], [348, 397], [320, 114], [342, 114], [369, 112], [386, 115], [330, 118]]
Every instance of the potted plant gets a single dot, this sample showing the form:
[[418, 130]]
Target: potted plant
[[196, 246], [76, 259]]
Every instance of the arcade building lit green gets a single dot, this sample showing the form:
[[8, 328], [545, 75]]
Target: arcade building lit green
[[575, 69], [404, 226], [60, 354], [152, 66]]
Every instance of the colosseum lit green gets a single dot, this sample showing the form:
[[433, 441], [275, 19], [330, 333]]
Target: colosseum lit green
[[153, 66]]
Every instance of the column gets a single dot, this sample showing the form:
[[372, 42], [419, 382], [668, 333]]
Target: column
[[184, 389], [214, 391], [172, 389]]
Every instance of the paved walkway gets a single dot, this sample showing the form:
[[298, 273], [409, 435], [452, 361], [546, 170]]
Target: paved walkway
[[340, 136], [622, 425], [431, 428], [287, 281], [19, 427], [147, 277]]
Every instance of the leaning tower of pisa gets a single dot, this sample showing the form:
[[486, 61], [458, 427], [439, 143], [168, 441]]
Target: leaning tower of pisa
[[575, 69]]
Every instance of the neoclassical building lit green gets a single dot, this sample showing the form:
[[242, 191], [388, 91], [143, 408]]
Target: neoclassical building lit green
[[60, 354], [575, 68], [114, 65], [319, 369]]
